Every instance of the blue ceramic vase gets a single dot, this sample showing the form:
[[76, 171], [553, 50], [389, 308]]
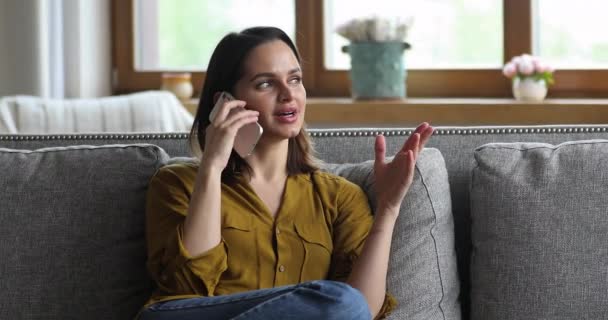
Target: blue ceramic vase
[[377, 69]]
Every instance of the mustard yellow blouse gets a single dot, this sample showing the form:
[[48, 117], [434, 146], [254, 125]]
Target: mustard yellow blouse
[[318, 232]]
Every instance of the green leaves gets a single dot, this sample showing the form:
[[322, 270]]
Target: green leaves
[[546, 76]]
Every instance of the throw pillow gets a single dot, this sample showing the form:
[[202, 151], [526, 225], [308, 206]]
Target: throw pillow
[[72, 231], [422, 273], [539, 231]]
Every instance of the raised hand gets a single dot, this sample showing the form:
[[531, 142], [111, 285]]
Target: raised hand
[[220, 134], [393, 179]]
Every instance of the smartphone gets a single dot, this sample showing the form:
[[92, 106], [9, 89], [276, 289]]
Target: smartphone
[[247, 136]]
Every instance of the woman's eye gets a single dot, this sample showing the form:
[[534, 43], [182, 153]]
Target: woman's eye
[[263, 85], [296, 80]]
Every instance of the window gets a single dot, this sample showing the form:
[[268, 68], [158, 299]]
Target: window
[[458, 46], [182, 37], [440, 32], [570, 35]]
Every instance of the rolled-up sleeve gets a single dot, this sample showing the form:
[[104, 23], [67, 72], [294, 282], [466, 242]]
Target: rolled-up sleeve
[[353, 223], [173, 269]]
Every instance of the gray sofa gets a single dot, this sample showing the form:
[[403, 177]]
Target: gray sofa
[[72, 222]]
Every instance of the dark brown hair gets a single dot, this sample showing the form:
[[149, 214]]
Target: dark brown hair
[[224, 70]]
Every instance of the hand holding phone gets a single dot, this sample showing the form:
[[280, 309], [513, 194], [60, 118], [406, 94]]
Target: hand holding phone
[[247, 136]]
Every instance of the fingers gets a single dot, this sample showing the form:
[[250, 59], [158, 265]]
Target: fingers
[[418, 139], [406, 160], [240, 122], [411, 143], [410, 162], [380, 150], [235, 117], [226, 109], [425, 136], [421, 127]]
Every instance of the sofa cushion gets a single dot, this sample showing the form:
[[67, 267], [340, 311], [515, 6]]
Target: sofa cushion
[[422, 271], [72, 231], [540, 231]]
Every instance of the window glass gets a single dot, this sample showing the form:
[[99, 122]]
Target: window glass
[[444, 34], [181, 34], [571, 34]]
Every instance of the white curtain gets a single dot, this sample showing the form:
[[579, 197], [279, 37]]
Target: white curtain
[[55, 48]]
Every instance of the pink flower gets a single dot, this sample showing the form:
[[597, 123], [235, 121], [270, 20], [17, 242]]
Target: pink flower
[[538, 65], [526, 65], [509, 70]]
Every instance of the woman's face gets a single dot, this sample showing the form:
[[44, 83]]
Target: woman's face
[[272, 85]]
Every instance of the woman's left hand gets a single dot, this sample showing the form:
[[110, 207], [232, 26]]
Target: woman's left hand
[[393, 179]]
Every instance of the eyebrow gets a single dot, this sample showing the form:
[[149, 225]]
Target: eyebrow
[[269, 74]]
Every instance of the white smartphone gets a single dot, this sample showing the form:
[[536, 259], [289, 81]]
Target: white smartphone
[[247, 136]]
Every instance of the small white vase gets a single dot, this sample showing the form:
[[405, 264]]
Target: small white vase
[[529, 89]]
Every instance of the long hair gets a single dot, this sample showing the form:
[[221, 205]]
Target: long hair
[[224, 70]]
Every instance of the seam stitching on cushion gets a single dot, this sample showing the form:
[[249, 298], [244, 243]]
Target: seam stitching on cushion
[[157, 152], [473, 177], [550, 147], [434, 241]]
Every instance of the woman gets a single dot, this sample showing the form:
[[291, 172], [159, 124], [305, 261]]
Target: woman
[[268, 236]]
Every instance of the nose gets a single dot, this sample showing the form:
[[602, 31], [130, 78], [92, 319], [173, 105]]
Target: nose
[[285, 93]]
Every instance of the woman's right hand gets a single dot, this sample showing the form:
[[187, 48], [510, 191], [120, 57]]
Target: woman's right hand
[[220, 134]]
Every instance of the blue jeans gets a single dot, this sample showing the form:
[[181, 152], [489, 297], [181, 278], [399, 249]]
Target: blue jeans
[[318, 300]]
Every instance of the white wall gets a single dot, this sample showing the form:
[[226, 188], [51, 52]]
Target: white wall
[[55, 48]]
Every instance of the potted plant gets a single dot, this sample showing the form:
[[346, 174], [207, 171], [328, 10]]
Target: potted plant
[[376, 50], [531, 77]]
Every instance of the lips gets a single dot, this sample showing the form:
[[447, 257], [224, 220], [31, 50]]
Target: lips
[[287, 115], [286, 112]]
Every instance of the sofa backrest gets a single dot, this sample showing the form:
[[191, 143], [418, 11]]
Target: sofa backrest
[[356, 145], [72, 231], [456, 145]]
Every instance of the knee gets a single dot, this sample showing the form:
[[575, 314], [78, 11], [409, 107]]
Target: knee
[[344, 300]]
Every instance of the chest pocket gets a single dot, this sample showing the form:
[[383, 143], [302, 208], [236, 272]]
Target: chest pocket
[[230, 222], [318, 247], [239, 236]]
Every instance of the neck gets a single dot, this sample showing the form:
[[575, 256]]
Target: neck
[[269, 161]]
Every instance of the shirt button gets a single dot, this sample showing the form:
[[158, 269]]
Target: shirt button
[[278, 231], [281, 268]]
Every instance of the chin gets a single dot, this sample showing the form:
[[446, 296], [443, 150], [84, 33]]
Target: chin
[[295, 131], [285, 133], [290, 134]]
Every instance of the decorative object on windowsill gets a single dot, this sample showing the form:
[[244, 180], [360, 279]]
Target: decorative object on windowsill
[[178, 83], [531, 77], [376, 50]]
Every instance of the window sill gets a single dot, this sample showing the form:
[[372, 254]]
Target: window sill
[[346, 112]]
